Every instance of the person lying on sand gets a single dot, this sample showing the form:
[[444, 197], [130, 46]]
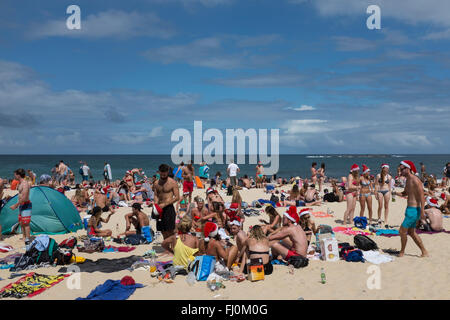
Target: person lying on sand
[[290, 240]]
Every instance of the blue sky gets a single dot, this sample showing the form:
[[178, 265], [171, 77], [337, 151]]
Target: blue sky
[[137, 70]]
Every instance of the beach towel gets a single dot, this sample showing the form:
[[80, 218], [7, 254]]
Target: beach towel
[[10, 259], [113, 290], [105, 265], [30, 285], [352, 231], [383, 232], [118, 249], [5, 247], [262, 201], [321, 214], [377, 257]]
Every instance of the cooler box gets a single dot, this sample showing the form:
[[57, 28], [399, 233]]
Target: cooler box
[[329, 249]]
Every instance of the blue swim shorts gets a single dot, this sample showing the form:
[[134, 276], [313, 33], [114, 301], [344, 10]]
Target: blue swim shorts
[[412, 215]]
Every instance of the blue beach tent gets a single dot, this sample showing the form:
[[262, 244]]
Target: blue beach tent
[[52, 213]]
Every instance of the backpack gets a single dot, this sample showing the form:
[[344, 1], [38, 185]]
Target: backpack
[[80, 171], [360, 222], [364, 243], [93, 245], [298, 261], [50, 254], [69, 243], [274, 198], [202, 267]]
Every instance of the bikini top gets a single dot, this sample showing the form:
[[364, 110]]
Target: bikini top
[[365, 184], [386, 182]]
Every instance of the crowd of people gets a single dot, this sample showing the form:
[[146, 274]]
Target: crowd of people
[[206, 225]]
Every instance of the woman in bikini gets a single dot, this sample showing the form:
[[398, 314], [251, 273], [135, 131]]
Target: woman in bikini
[[383, 192], [321, 176], [95, 223], [274, 220], [366, 193], [314, 173], [307, 224], [294, 198], [256, 247], [351, 193]]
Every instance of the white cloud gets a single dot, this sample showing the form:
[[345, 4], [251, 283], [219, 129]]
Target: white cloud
[[302, 108], [135, 139], [108, 24]]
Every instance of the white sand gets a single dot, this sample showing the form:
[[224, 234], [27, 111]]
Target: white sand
[[410, 277]]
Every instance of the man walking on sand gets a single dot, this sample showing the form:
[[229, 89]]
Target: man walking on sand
[[24, 204], [166, 194], [415, 209], [232, 171]]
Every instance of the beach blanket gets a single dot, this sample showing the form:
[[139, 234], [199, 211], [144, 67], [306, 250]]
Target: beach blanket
[[113, 290], [377, 257], [352, 231], [10, 259], [262, 201], [105, 265], [118, 249], [320, 214], [30, 285]]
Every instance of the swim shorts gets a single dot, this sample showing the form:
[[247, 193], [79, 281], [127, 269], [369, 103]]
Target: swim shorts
[[291, 253], [25, 213], [188, 186], [412, 215], [167, 222]]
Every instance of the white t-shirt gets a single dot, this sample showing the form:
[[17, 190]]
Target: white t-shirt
[[233, 169], [85, 169]]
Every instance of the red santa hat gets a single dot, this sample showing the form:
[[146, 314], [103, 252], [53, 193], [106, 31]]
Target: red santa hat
[[304, 212], [210, 230], [410, 165], [157, 209], [105, 190], [292, 215], [354, 167], [384, 165], [209, 190], [236, 221], [432, 202], [365, 169]]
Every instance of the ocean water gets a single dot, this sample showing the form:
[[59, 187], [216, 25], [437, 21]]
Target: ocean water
[[290, 165]]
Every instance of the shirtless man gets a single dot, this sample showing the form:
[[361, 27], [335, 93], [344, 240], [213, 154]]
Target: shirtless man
[[289, 240], [434, 220], [217, 215], [214, 245], [140, 221], [311, 196], [415, 210], [246, 182], [61, 173], [259, 175], [24, 204], [166, 194], [188, 183], [101, 200], [240, 236]]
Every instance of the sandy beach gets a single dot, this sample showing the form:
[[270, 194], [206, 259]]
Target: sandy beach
[[410, 277]]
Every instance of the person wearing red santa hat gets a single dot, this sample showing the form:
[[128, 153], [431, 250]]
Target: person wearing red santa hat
[[365, 196], [434, 220], [415, 210], [351, 193], [307, 224], [224, 251], [290, 240], [383, 185]]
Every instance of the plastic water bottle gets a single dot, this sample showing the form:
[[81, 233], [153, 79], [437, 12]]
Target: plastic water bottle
[[190, 279], [323, 279], [153, 262]]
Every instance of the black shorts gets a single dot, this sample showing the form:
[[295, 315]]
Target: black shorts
[[167, 222], [105, 209]]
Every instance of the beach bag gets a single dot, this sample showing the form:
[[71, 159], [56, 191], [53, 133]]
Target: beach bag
[[364, 243], [274, 198], [298, 261], [93, 245], [135, 239], [360, 222], [202, 267], [69, 243]]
